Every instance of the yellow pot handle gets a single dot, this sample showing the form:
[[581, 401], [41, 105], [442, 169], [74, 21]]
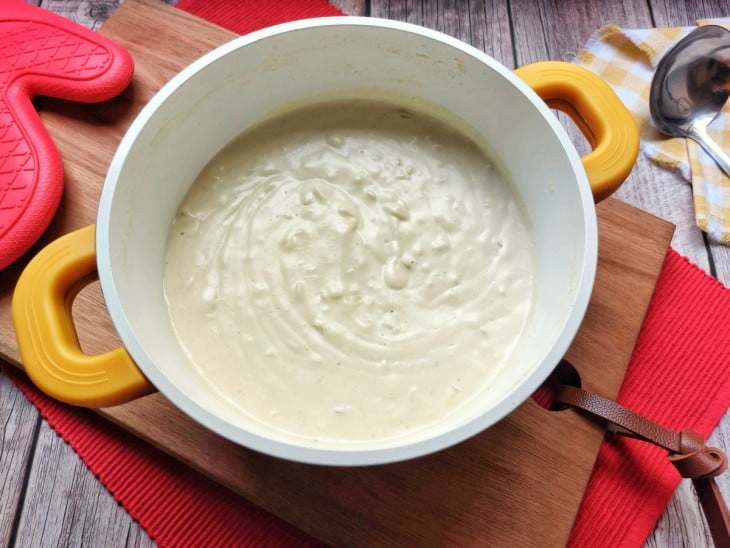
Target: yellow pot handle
[[47, 340], [599, 114]]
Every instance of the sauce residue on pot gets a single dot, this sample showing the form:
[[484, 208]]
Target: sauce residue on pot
[[350, 271]]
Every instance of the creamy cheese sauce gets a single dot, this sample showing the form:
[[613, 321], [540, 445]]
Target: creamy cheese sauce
[[350, 271]]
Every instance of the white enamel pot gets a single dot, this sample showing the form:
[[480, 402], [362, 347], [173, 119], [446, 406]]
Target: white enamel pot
[[241, 83]]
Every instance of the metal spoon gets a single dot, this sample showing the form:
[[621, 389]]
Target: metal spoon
[[690, 87]]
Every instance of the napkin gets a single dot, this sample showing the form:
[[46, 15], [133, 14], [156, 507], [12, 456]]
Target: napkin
[[626, 59], [679, 376]]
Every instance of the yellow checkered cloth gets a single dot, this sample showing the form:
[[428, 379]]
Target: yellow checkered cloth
[[626, 59]]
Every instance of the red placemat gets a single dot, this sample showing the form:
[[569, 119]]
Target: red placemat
[[678, 376]]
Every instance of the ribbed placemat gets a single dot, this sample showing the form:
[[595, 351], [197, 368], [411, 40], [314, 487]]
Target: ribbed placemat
[[679, 376]]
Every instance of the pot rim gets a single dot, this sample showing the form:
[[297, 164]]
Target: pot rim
[[343, 456]]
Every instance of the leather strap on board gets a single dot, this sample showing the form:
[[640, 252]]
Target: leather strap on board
[[687, 451]]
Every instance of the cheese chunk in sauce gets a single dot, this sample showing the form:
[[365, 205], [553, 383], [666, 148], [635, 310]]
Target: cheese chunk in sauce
[[350, 271]]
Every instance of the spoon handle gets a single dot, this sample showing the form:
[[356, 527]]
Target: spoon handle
[[711, 147]]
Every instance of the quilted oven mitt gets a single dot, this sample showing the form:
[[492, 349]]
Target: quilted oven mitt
[[42, 53], [627, 59]]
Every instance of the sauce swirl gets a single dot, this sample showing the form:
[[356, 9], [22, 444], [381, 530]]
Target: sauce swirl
[[350, 271]]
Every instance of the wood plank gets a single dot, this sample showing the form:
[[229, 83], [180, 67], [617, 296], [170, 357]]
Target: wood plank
[[18, 423], [682, 523], [88, 13], [670, 13], [351, 7], [557, 30], [84, 513], [52, 513], [485, 25], [93, 13], [721, 259], [666, 195]]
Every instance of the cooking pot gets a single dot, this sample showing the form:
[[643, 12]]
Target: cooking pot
[[253, 77]]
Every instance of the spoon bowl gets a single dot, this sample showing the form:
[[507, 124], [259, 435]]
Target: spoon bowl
[[691, 86]]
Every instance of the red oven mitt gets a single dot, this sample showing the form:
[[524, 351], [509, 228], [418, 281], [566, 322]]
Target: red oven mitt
[[43, 54]]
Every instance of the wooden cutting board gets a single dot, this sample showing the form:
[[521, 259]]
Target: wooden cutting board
[[519, 483]]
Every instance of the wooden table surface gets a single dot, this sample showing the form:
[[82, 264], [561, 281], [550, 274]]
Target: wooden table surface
[[49, 498]]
